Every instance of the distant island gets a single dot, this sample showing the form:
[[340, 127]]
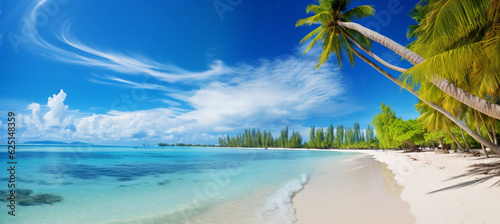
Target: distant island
[[56, 143]]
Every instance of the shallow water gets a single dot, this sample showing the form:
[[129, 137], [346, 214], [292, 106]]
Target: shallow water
[[162, 185]]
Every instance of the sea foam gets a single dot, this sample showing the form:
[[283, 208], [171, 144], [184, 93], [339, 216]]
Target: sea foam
[[278, 207]]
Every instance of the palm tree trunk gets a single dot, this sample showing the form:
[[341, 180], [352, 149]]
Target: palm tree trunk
[[479, 130], [374, 56], [486, 107], [454, 139], [474, 135], [486, 127], [493, 131], [466, 144], [387, 42]]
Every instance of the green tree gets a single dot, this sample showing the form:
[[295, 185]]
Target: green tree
[[357, 132], [434, 121], [296, 140], [264, 139], [382, 122], [370, 134], [329, 136], [349, 137], [409, 134], [435, 138], [320, 138], [339, 136], [259, 138], [312, 137]]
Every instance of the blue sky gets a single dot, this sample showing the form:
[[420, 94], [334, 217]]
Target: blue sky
[[143, 72]]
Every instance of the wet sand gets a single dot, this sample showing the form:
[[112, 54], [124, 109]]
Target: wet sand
[[357, 190]]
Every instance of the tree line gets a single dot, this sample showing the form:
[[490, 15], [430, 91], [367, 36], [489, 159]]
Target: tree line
[[264, 139], [341, 137]]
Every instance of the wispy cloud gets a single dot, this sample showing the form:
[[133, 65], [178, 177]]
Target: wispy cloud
[[121, 82], [70, 49]]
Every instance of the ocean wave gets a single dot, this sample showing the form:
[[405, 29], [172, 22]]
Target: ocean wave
[[278, 207]]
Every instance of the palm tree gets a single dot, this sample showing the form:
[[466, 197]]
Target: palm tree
[[330, 34], [472, 36], [435, 121], [332, 14], [339, 18]]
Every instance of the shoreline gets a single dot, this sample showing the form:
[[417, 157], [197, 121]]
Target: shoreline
[[440, 188]]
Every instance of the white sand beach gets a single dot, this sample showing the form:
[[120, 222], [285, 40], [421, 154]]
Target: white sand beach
[[434, 188], [352, 192]]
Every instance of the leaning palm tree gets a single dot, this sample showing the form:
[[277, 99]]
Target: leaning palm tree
[[460, 40], [340, 39], [472, 36], [340, 19]]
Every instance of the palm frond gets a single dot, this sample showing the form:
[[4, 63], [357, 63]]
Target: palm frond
[[359, 12], [452, 64], [338, 5], [415, 13], [327, 46], [321, 17], [445, 21], [318, 37], [312, 34], [315, 8], [346, 45], [362, 39], [460, 14], [411, 32]]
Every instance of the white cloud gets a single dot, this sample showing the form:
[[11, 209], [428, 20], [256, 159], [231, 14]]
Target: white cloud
[[49, 120], [170, 102], [57, 111], [270, 93], [116, 126], [36, 115]]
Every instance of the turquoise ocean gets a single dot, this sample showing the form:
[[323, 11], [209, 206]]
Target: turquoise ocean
[[108, 184]]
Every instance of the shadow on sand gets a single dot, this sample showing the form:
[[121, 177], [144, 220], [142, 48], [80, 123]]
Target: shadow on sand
[[483, 173]]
